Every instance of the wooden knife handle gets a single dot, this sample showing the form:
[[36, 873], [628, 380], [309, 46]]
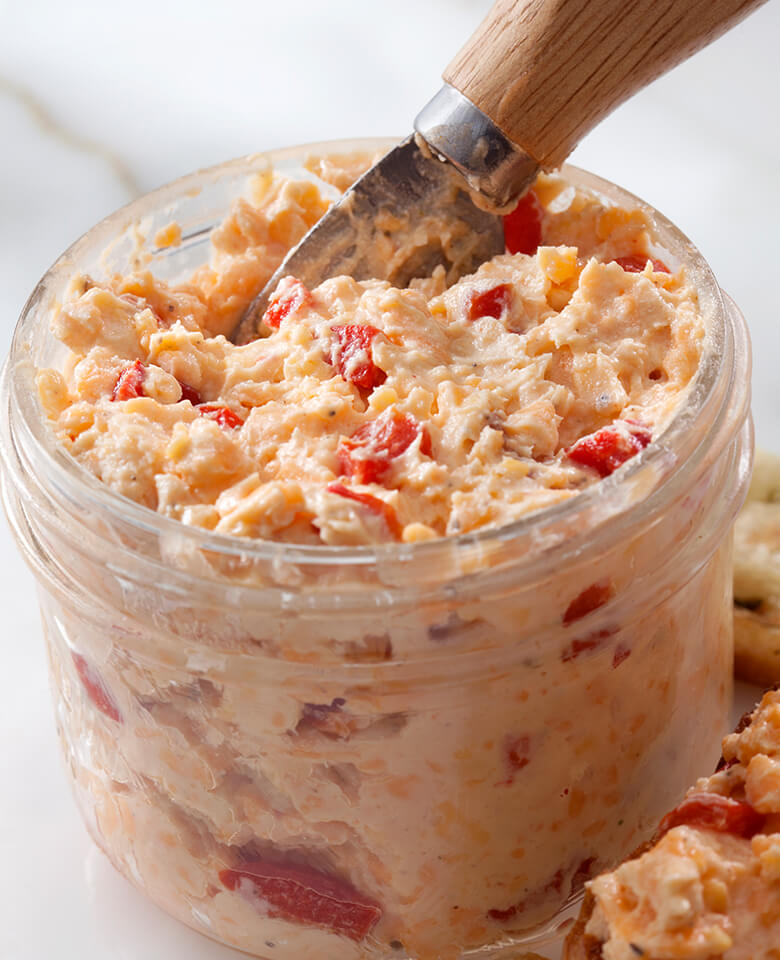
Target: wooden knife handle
[[547, 71]]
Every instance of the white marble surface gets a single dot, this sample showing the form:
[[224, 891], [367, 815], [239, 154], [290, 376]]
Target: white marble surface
[[99, 102]]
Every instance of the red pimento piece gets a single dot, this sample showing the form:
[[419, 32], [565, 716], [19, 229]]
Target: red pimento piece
[[224, 416], [516, 756], [352, 356], [368, 454], [503, 915], [130, 382], [190, 393], [636, 263], [494, 302], [375, 505], [711, 811], [301, 894], [610, 447], [724, 764], [584, 644], [95, 687], [591, 598], [288, 297], [523, 226], [621, 653]]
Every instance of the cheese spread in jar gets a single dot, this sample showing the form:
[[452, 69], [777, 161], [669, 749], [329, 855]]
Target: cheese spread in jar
[[371, 414], [378, 636]]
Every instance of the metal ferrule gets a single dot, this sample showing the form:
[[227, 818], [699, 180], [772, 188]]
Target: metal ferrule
[[457, 131]]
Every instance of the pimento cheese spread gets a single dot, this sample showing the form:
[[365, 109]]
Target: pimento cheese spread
[[370, 414]]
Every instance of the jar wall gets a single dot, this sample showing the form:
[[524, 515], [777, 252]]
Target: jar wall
[[469, 810]]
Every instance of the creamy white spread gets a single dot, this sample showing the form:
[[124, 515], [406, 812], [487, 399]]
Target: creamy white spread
[[369, 413]]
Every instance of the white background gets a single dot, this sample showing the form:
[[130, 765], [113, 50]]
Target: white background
[[100, 102]]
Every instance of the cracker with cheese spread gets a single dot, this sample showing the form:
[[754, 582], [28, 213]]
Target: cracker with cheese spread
[[708, 886]]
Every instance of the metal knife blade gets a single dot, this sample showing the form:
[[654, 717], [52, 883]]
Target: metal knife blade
[[405, 216], [415, 209]]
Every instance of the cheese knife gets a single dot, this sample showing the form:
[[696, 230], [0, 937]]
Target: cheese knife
[[535, 77]]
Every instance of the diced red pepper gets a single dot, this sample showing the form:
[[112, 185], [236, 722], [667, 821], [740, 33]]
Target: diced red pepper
[[724, 764], [96, 689], [523, 226], [503, 915], [224, 416], [711, 811], [621, 653], [289, 296], [351, 354], [130, 382], [189, 393], [591, 598], [516, 755], [375, 505], [636, 263], [494, 302], [368, 454], [302, 894], [610, 447], [585, 644]]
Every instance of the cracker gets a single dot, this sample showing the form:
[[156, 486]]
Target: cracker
[[728, 783], [757, 576]]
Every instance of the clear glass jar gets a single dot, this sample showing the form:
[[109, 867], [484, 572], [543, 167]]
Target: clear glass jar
[[404, 751]]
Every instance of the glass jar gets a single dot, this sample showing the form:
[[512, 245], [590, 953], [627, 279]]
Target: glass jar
[[417, 750]]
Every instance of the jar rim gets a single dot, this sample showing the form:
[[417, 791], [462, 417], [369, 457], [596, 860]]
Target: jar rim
[[656, 470]]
